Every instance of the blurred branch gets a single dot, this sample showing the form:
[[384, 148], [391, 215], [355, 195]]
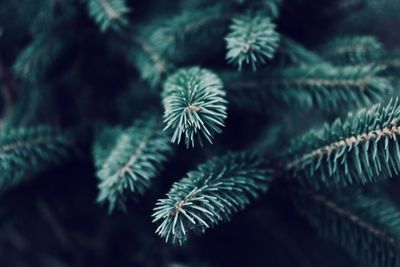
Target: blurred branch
[[8, 89]]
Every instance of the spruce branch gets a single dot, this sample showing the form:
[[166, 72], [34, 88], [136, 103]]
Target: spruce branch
[[252, 40], [390, 62], [322, 86], [33, 62], [194, 105], [108, 13], [46, 14], [33, 106], [104, 141], [362, 149], [343, 7], [157, 47], [25, 152], [347, 50], [8, 88], [148, 58], [185, 34], [270, 8], [127, 160], [210, 194], [291, 52], [365, 225]]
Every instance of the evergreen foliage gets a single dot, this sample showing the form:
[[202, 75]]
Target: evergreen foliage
[[194, 104], [323, 86], [148, 58], [108, 13], [360, 150], [292, 53], [47, 15], [351, 50], [25, 152], [159, 45], [210, 194], [35, 59], [390, 62], [366, 225], [179, 37], [127, 160], [252, 40], [96, 97]]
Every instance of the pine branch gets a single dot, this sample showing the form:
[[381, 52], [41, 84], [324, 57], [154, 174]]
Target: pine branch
[[25, 152], [127, 160], [183, 36], [194, 105], [159, 46], [352, 50], [210, 194], [33, 62], [390, 62], [270, 8], [7, 88], [34, 106], [108, 13], [252, 40], [367, 226], [323, 86], [362, 149], [46, 14], [343, 7], [105, 140], [148, 58], [291, 52]]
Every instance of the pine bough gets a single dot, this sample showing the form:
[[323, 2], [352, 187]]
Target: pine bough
[[365, 224], [108, 13], [322, 86], [210, 194], [128, 159], [194, 105], [347, 50], [362, 149], [27, 151], [252, 40]]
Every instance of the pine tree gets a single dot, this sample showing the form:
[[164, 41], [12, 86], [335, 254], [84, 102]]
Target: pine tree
[[229, 133]]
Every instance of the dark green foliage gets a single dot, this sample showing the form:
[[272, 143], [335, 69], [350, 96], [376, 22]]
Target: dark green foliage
[[95, 67], [48, 14], [364, 148], [34, 105], [194, 105], [25, 152], [252, 40], [182, 37], [156, 47], [108, 13], [270, 8], [291, 52], [366, 225], [210, 194], [106, 138], [127, 160], [323, 86], [33, 62], [390, 62], [352, 50], [147, 57]]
